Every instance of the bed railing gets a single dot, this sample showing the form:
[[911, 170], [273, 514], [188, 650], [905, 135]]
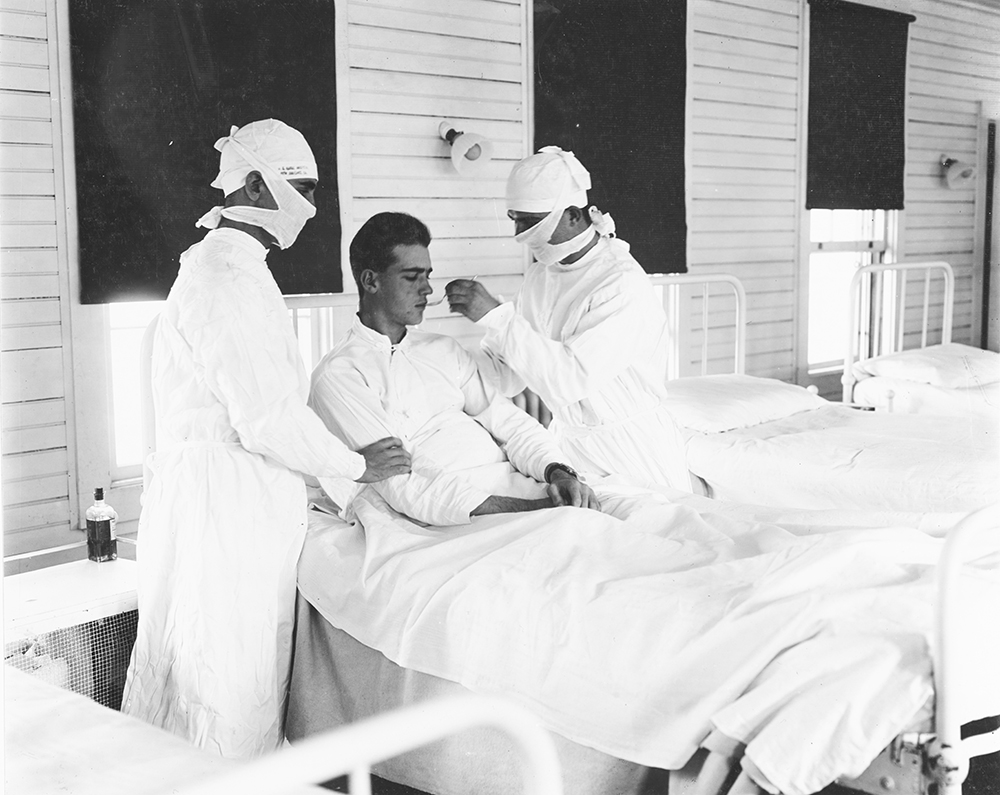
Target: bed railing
[[671, 285], [948, 754], [915, 761], [353, 749], [878, 311]]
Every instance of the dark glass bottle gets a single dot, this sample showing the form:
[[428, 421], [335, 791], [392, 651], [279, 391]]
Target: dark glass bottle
[[102, 542]]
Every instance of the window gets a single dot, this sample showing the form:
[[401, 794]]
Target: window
[[127, 323], [840, 241]]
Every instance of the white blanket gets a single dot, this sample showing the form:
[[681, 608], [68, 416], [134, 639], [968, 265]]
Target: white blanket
[[636, 633], [914, 397], [837, 457]]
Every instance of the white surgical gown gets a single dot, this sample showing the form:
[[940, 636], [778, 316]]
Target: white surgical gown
[[591, 340], [466, 441], [224, 514]]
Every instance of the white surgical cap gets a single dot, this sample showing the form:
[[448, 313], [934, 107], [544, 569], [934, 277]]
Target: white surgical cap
[[275, 143], [542, 181]]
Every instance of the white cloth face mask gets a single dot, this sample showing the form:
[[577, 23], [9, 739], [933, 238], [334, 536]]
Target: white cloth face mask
[[285, 223], [537, 239]]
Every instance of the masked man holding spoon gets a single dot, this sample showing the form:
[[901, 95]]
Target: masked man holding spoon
[[586, 331]]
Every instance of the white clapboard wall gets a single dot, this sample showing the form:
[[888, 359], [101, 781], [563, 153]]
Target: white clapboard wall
[[37, 442], [745, 164], [412, 63], [954, 65]]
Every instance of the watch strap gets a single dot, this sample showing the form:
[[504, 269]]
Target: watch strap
[[564, 467]]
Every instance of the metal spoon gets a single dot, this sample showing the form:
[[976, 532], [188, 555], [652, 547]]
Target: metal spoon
[[437, 301]]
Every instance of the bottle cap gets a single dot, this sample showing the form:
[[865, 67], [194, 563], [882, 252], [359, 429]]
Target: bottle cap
[[98, 493]]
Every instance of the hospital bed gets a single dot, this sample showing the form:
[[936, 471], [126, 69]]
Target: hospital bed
[[899, 353], [337, 679], [58, 741], [767, 442]]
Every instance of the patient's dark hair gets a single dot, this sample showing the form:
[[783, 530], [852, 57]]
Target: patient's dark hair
[[373, 245]]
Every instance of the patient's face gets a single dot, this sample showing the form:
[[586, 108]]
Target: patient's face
[[405, 286]]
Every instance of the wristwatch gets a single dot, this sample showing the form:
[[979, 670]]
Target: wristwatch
[[564, 467]]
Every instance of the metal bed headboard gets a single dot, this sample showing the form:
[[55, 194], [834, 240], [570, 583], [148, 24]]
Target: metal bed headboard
[[353, 749], [865, 328], [705, 281]]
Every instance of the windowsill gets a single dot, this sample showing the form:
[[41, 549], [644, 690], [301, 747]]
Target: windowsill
[[826, 369]]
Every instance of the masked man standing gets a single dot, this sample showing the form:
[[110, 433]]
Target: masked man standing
[[224, 511], [586, 332]]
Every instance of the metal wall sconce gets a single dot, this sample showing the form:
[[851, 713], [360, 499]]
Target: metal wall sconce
[[469, 152], [957, 174]]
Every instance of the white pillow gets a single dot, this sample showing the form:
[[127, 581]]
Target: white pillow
[[714, 403], [951, 365]]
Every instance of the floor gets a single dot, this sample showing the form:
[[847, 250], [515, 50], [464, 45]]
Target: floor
[[983, 779]]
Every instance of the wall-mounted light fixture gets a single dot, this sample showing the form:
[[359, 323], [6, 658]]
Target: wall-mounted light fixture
[[957, 174], [469, 152]]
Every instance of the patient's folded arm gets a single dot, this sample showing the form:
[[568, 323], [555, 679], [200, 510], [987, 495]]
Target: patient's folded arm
[[498, 504]]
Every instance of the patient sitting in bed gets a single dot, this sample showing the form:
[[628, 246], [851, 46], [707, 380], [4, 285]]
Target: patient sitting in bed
[[662, 622], [473, 452]]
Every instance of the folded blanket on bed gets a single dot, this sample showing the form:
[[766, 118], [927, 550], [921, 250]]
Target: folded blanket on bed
[[637, 630]]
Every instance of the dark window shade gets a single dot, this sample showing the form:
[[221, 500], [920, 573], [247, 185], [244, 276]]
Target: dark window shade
[[155, 84], [609, 86], [857, 100]]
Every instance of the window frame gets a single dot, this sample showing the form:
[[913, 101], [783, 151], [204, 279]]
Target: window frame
[[870, 251], [828, 383]]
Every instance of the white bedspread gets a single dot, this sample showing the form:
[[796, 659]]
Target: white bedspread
[[913, 397], [635, 633], [838, 457]]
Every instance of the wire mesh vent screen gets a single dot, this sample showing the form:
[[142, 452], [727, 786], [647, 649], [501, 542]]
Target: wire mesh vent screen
[[90, 659]]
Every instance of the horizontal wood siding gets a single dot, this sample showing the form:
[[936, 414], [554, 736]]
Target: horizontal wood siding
[[35, 446], [414, 64], [743, 154], [954, 65], [743, 86]]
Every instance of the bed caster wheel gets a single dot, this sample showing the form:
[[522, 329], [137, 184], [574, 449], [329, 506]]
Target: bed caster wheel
[[948, 766]]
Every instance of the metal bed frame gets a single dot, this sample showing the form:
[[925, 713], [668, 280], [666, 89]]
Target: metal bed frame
[[872, 330], [672, 285], [353, 749]]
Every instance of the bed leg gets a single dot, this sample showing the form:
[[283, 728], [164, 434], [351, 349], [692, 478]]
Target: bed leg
[[744, 785], [714, 773]]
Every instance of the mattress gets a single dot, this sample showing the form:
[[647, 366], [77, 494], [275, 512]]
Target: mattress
[[637, 630], [336, 680], [949, 378], [57, 741], [834, 456], [914, 397]]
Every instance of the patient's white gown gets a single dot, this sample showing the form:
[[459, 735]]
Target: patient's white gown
[[591, 340], [224, 510]]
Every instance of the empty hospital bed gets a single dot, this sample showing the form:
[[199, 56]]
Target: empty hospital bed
[[58, 741], [900, 355], [764, 441]]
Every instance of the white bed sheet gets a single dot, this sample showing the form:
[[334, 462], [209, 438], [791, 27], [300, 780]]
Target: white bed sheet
[[914, 397], [336, 680], [838, 457], [635, 634], [57, 741]]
